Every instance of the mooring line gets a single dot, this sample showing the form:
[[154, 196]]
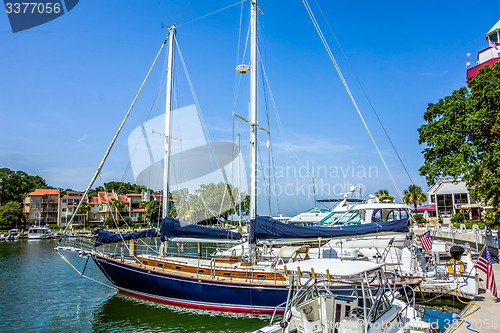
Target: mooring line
[[79, 273]]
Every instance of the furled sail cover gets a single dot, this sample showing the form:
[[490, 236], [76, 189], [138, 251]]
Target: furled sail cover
[[106, 237], [263, 227], [175, 228]]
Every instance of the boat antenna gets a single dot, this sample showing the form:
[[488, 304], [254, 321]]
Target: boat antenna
[[314, 192]]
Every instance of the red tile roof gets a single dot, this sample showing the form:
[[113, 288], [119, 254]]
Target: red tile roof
[[103, 197], [42, 191]]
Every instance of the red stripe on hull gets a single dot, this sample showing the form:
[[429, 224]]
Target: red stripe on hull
[[200, 306]]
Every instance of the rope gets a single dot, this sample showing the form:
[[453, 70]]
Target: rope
[[219, 10], [364, 93], [79, 273], [468, 303], [348, 90], [98, 171]]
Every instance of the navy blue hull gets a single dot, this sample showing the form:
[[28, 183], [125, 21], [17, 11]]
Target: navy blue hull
[[192, 292]]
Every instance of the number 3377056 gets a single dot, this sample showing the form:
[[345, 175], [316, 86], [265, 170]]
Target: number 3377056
[[32, 7]]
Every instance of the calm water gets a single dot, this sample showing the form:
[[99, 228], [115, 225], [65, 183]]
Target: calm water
[[40, 292]]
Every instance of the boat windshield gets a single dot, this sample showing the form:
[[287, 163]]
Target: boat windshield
[[351, 218], [331, 218]]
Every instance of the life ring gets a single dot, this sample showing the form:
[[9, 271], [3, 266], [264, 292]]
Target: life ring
[[455, 266]]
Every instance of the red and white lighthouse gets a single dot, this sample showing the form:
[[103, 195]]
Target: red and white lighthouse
[[490, 55]]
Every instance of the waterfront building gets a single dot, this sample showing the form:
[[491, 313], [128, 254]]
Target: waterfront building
[[136, 213], [67, 207], [101, 207], [451, 196], [42, 206], [489, 55]]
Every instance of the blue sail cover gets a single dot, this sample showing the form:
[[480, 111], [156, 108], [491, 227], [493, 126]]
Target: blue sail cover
[[175, 228], [106, 237], [263, 227]]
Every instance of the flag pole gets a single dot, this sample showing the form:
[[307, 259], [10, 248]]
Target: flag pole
[[479, 256]]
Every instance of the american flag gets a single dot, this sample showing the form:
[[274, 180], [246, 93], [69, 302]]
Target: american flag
[[484, 263], [426, 240], [492, 44]]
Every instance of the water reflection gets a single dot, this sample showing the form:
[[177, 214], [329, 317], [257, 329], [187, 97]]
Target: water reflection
[[124, 313]]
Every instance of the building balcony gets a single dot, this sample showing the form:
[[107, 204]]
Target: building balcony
[[473, 71]]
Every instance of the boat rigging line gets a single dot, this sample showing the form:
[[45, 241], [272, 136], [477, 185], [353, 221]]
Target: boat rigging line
[[105, 157], [364, 92], [212, 13], [348, 90]]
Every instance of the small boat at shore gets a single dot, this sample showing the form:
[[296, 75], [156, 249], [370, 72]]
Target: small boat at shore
[[13, 235], [39, 232]]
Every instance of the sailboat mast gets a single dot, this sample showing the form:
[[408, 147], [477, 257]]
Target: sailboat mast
[[168, 125], [253, 111]]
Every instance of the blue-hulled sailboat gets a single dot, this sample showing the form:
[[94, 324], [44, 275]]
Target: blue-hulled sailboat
[[241, 283]]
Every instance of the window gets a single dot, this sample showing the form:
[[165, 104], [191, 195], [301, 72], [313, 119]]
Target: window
[[377, 215], [445, 205], [64, 201], [382, 306], [460, 198], [64, 209]]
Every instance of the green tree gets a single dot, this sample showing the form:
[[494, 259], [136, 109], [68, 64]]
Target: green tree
[[15, 184], [116, 205], [209, 204], [462, 136], [153, 210], [121, 188], [84, 210], [384, 196], [414, 196], [11, 214]]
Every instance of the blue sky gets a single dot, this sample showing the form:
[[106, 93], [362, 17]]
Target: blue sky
[[66, 85]]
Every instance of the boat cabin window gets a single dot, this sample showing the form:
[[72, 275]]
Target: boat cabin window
[[383, 306], [377, 215], [397, 214]]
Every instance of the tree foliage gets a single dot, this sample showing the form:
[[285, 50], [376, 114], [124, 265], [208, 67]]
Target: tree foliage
[[153, 210], [121, 188], [209, 203], [384, 196], [15, 184], [11, 213], [462, 135], [84, 210], [414, 196]]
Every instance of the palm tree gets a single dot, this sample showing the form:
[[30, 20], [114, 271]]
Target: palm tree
[[384, 196], [116, 205], [414, 195], [84, 210]]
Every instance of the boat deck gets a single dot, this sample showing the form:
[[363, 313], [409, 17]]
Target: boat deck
[[226, 270]]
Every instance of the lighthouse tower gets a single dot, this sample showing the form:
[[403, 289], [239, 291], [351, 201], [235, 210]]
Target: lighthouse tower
[[490, 55]]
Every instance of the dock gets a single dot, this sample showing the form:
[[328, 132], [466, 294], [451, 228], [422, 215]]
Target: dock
[[483, 315]]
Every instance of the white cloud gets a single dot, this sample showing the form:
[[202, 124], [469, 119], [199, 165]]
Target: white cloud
[[82, 138]]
